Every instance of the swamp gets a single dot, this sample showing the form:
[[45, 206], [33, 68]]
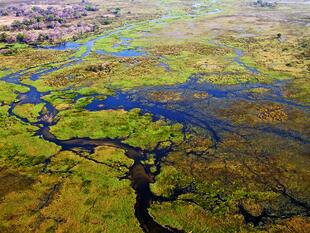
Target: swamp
[[155, 116]]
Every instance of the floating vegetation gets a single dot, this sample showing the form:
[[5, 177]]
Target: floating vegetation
[[178, 116], [165, 96], [272, 113]]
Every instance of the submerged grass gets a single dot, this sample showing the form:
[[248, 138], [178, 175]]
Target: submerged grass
[[279, 59], [207, 191], [204, 187]]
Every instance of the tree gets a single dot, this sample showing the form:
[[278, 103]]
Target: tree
[[90, 7], [42, 37], [106, 21], [16, 25], [20, 37], [11, 39], [3, 37], [116, 11], [30, 37]]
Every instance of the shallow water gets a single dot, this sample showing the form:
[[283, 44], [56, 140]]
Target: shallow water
[[141, 185], [123, 53], [188, 110], [63, 46], [237, 59], [197, 112]]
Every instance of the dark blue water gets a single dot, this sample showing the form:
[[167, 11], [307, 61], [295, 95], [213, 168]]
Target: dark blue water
[[192, 86], [187, 111], [158, 110], [196, 112]]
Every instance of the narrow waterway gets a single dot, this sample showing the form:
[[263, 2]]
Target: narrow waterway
[[138, 174], [188, 111]]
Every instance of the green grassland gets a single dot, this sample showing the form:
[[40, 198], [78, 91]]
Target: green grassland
[[133, 129], [9, 92], [18, 58], [29, 111], [249, 180]]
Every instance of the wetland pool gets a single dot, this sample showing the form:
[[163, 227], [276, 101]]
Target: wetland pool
[[249, 111]]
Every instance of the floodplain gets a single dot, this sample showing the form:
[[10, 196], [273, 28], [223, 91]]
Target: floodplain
[[169, 116]]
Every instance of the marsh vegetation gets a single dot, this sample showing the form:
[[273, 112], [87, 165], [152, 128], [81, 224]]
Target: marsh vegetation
[[165, 116]]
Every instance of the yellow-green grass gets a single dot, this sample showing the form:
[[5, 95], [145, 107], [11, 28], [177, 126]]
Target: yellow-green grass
[[29, 111], [98, 200], [18, 145], [134, 129], [24, 58], [215, 186], [9, 92]]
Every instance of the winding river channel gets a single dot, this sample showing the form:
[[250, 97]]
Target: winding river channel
[[187, 111]]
